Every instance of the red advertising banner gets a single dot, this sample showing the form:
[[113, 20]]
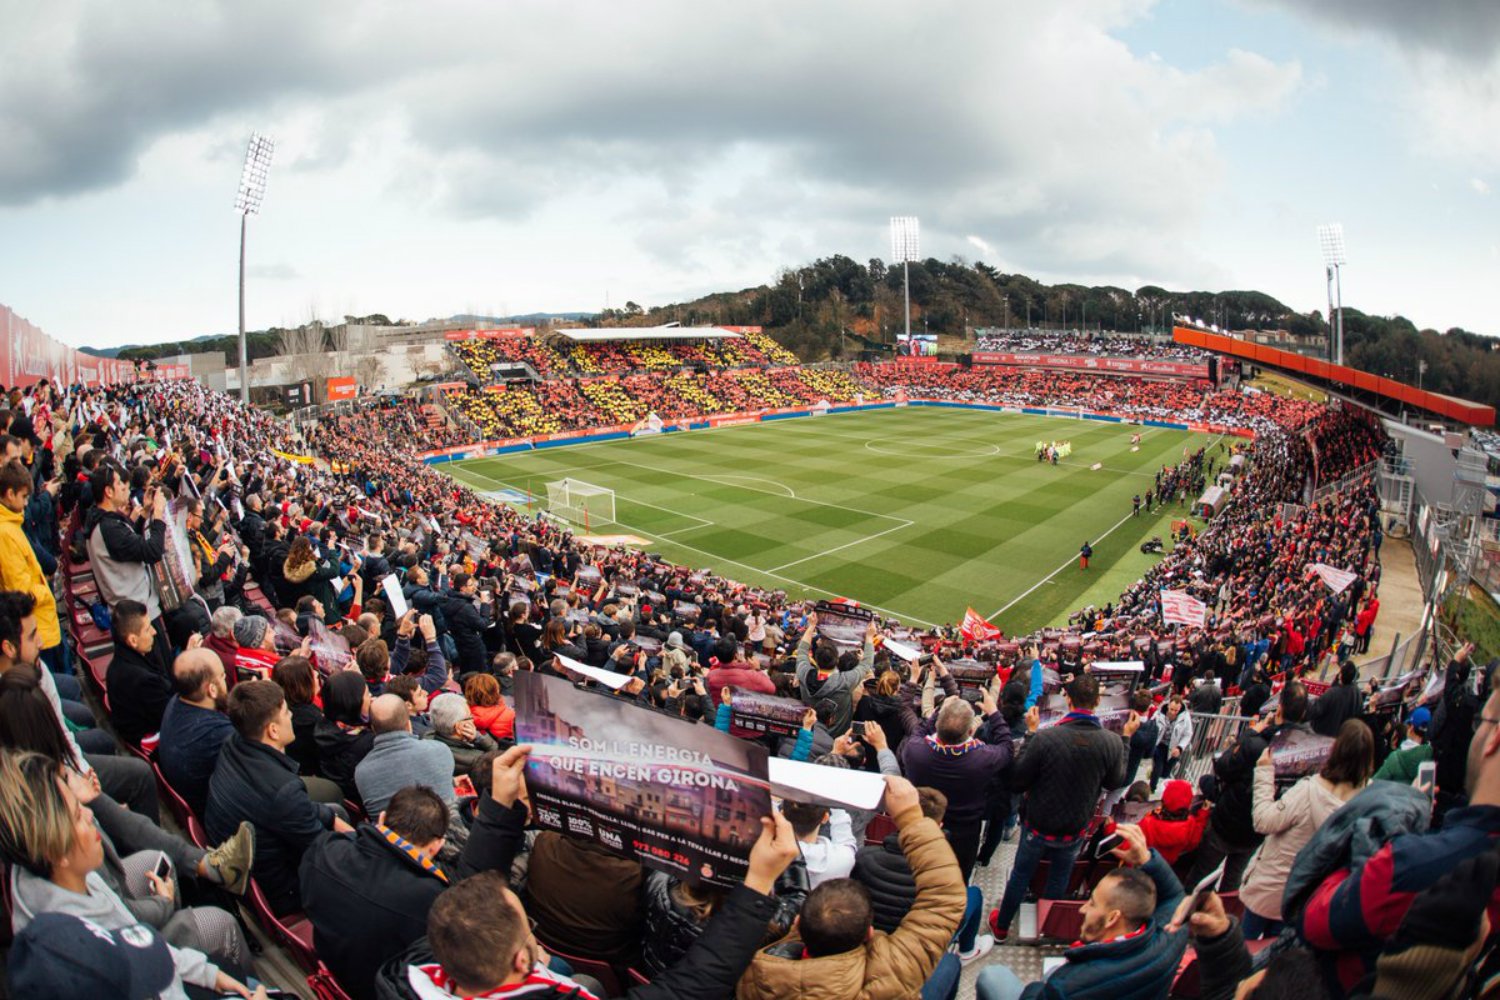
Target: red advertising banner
[[27, 355], [505, 334], [1094, 363], [343, 387]]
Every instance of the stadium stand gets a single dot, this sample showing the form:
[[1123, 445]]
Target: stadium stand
[[295, 533]]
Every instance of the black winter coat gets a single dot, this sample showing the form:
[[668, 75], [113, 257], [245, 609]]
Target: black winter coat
[[1336, 706], [466, 625], [339, 753], [138, 693], [884, 871], [257, 783], [671, 928]]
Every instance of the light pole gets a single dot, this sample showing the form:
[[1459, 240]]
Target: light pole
[[1331, 240], [906, 247], [247, 203]]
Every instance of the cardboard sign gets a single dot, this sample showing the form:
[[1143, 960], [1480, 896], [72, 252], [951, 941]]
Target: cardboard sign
[[754, 713], [679, 797]]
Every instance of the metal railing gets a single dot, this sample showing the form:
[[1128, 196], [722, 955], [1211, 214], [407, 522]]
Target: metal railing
[[1212, 735]]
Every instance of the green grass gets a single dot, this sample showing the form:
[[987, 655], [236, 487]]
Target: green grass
[[918, 512]]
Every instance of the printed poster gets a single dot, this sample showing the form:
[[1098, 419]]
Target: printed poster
[[676, 796]]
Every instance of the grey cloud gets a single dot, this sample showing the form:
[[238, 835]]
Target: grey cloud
[[1468, 30]]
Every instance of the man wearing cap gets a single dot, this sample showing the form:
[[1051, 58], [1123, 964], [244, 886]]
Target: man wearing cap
[[1402, 765], [257, 652], [60, 955]]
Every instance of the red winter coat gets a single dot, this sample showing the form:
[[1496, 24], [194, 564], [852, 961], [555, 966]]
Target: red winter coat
[[1172, 838]]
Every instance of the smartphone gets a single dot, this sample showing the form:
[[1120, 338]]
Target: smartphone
[[1206, 888], [1426, 780], [1108, 843], [463, 787], [163, 867], [857, 730]]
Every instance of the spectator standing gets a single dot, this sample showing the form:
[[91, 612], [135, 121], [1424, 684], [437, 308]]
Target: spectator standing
[[840, 682], [1062, 770], [1289, 822], [1175, 735], [120, 554], [1402, 764], [19, 568], [835, 941], [1174, 828], [1231, 836], [1338, 704], [830, 857], [961, 757]]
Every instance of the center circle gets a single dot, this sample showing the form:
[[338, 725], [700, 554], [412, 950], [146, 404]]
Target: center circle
[[877, 446]]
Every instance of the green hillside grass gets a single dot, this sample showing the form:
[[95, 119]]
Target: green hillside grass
[[918, 512]]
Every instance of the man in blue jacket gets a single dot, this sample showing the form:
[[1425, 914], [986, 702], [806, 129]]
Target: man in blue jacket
[[1124, 951]]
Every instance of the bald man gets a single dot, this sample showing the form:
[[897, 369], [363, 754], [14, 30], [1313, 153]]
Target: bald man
[[398, 758], [194, 725]]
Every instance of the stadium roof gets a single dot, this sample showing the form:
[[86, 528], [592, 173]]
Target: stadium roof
[[650, 333], [1341, 378]]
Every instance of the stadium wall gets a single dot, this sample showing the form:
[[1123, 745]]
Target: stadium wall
[[504, 446]]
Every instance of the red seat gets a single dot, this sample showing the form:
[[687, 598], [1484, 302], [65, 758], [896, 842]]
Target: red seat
[[293, 930], [196, 833], [1188, 983], [881, 826], [602, 971], [1060, 918], [324, 986], [176, 804], [637, 977]]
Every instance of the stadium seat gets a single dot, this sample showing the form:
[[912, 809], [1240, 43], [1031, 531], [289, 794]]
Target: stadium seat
[[880, 827], [293, 930], [176, 804], [602, 971], [324, 986], [637, 977]]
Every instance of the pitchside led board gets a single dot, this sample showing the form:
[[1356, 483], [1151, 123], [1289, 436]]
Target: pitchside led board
[[679, 797]]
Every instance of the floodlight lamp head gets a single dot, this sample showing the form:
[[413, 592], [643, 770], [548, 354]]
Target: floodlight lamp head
[[1331, 241], [253, 177], [906, 244]]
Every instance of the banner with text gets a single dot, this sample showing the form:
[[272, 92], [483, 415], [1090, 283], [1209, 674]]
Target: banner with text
[[27, 355], [682, 798]]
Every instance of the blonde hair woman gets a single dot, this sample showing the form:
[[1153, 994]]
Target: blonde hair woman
[[47, 834]]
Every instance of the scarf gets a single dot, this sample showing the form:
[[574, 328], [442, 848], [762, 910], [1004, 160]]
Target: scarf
[[410, 850]]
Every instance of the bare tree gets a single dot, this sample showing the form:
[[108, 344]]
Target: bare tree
[[369, 370], [307, 339]]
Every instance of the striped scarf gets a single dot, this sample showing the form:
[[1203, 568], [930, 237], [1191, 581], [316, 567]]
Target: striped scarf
[[423, 861]]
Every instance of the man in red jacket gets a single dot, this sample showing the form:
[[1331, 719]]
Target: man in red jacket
[[733, 670]]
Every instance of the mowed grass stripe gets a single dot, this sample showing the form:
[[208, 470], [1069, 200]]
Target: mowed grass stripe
[[984, 529]]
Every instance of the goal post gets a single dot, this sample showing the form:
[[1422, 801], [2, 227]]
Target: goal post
[[581, 503]]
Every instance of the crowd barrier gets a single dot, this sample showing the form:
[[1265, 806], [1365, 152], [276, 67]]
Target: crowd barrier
[[502, 446]]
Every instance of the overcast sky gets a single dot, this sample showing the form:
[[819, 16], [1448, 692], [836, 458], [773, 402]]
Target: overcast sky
[[514, 156]]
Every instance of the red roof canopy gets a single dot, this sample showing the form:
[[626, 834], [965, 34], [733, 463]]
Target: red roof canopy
[[1450, 407]]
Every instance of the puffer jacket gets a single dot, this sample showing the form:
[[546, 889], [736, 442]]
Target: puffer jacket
[[1288, 824], [885, 965], [883, 871], [671, 928], [1139, 966]]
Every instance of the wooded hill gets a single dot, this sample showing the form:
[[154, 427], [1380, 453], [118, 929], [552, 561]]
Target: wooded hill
[[809, 308]]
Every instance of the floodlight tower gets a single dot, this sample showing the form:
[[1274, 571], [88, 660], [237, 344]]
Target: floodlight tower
[[1331, 240], [247, 203], [906, 247]]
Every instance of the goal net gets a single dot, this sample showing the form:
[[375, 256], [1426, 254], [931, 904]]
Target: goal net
[[580, 502]]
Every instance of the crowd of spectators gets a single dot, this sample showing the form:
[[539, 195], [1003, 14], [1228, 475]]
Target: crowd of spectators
[[1081, 343], [1138, 398], [555, 355], [316, 734]]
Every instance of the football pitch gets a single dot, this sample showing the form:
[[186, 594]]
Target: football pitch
[[917, 512]]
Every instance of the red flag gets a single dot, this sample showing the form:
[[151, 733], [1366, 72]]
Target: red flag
[[976, 629]]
